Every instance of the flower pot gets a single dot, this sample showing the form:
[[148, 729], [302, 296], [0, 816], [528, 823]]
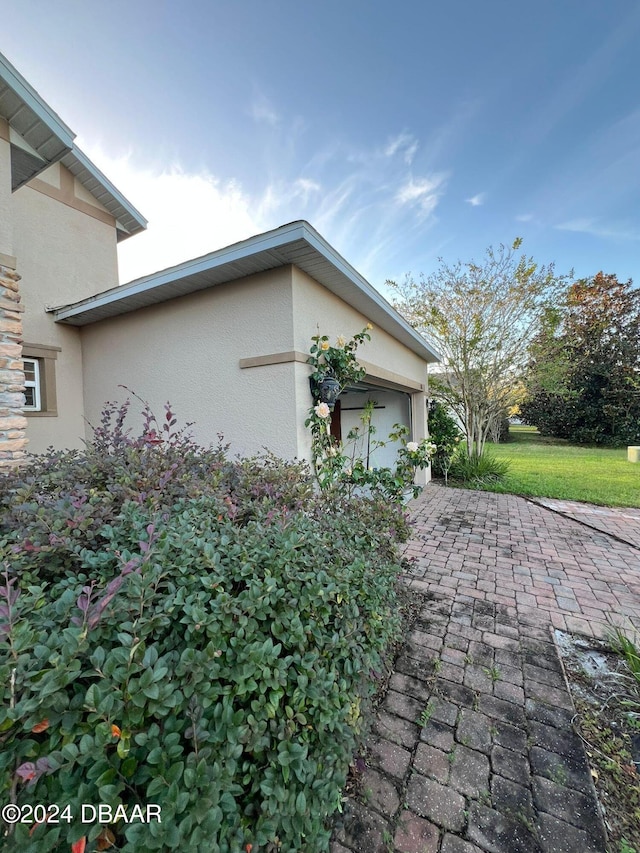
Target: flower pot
[[326, 391]]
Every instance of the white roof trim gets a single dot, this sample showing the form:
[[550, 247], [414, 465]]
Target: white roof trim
[[297, 243], [32, 100], [128, 220], [44, 132]]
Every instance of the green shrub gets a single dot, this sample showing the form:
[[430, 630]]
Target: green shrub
[[202, 643], [473, 470], [446, 435], [630, 651], [503, 430]]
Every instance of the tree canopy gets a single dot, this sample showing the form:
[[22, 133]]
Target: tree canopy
[[482, 317], [583, 379]]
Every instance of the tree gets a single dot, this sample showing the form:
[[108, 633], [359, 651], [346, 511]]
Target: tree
[[445, 434], [481, 317], [583, 378]]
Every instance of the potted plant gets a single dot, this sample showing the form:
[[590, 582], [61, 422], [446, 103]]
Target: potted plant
[[335, 367]]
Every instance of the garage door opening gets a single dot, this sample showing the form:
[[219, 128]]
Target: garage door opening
[[389, 408]]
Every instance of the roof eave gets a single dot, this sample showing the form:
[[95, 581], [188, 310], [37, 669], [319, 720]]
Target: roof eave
[[161, 286], [53, 141], [33, 119], [328, 251], [129, 221], [35, 103]]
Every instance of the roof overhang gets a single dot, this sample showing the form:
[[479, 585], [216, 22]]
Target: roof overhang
[[43, 131], [128, 220], [297, 243], [39, 138]]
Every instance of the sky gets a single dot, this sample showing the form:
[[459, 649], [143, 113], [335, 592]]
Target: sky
[[403, 132]]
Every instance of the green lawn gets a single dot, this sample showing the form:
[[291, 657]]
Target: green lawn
[[552, 468]]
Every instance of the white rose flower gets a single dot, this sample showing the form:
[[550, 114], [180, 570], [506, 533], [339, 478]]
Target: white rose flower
[[412, 446], [322, 410]]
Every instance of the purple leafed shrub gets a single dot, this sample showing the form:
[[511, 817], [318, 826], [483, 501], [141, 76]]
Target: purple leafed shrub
[[187, 630]]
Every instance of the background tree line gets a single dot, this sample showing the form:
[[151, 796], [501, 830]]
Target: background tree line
[[516, 336], [582, 381]]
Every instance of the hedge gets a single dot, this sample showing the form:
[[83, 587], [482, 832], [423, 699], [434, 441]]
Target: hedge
[[182, 630]]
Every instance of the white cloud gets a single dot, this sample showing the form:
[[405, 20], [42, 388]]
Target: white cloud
[[359, 205], [592, 227], [476, 200], [405, 142], [425, 192], [585, 225], [189, 214], [263, 112], [410, 153], [305, 188], [192, 214], [524, 217]]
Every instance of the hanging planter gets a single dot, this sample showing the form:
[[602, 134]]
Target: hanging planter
[[325, 390], [328, 390], [335, 367]]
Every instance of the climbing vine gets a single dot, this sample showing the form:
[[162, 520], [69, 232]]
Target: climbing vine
[[336, 464]]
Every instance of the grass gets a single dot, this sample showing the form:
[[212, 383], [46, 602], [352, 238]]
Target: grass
[[607, 721], [552, 468]]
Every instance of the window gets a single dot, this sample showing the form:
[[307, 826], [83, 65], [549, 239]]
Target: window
[[32, 385], [40, 380]]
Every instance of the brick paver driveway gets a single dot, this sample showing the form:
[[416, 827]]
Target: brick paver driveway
[[536, 562], [473, 750]]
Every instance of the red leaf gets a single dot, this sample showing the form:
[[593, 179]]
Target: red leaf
[[40, 727], [27, 771], [79, 845]]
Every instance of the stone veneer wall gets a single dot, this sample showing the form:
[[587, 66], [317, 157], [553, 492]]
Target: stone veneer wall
[[13, 424]]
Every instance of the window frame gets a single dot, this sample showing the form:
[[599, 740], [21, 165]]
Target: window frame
[[45, 356], [33, 383]]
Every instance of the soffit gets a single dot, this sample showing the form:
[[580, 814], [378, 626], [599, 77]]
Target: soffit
[[296, 244], [33, 120], [51, 140], [128, 220]]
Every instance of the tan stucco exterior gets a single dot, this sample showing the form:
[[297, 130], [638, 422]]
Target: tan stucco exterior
[[317, 310], [60, 220], [224, 338], [232, 359], [6, 220], [63, 254], [389, 363], [187, 351]]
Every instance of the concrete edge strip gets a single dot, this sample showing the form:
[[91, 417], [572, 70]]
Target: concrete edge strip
[[570, 517], [590, 784]]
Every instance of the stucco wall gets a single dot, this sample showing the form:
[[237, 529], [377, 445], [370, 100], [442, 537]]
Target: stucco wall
[[6, 222], [64, 254], [315, 309], [188, 351]]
